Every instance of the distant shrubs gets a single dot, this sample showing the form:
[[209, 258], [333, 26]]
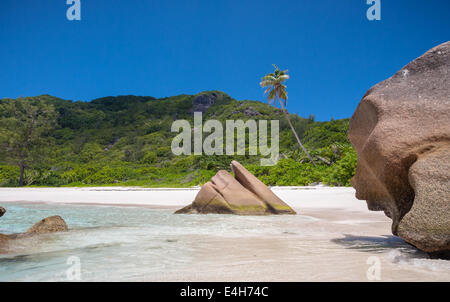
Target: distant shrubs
[[344, 169], [108, 175], [9, 176], [90, 152], [289, 172], [186, 171], [336, 168], [149, 158]]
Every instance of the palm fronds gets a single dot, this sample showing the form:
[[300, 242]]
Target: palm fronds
[[275, 89]]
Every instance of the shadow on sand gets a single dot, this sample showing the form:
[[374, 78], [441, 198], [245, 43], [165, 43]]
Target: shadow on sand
[[374, 243]]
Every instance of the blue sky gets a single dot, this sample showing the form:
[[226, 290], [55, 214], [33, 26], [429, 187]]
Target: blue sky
[[169, 47]]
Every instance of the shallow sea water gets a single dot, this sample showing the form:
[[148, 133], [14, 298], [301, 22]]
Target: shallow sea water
[[143, 244]]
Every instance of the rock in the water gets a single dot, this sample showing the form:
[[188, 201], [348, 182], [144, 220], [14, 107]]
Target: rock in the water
[[3, 243], [257, 187], [48, 225], [427, 224], [401, 133], [3, 239], [243, 195]]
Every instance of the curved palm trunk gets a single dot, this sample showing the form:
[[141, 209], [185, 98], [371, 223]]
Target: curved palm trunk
[[286, 114]]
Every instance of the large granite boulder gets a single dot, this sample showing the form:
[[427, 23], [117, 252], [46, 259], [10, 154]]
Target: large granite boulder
[[257, 187], [243, 195], [51, 224], [401, 133]]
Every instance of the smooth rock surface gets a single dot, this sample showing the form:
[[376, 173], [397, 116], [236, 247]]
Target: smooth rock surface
[[257, 187], [243, 195], [50, 224], [427, 224], [401, 133]]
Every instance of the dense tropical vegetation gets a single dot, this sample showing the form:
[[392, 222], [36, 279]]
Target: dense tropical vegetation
[[126, 140], [25, 132]]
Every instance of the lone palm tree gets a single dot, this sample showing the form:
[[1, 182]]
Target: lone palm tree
[[277, 91]]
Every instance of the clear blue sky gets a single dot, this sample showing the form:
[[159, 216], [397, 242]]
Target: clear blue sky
[[169, 47]]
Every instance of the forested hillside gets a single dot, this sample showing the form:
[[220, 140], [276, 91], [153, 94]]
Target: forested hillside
[[126, 140]]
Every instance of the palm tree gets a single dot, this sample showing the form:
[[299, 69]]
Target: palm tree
[[277, 91]]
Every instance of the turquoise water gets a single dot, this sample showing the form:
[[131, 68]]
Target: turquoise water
[[114, 243], [143, 244]]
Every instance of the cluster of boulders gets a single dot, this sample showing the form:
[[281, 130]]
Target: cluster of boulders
[[401, 133], [50, 224], [243, 194]]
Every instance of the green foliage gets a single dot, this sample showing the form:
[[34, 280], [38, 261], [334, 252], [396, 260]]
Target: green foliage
[[322, 134], [9, 176], [109, 175], [149, 158], [90, 152], [344, 169], [126, 140], [25, 132]]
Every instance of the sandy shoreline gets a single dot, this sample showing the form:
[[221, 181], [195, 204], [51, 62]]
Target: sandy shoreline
[[296, 197]]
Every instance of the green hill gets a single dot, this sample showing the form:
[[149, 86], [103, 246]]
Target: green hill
[[126, 140]]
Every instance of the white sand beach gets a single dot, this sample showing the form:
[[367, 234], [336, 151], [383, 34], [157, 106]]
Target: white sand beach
[[296, 197], [131, 234]]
